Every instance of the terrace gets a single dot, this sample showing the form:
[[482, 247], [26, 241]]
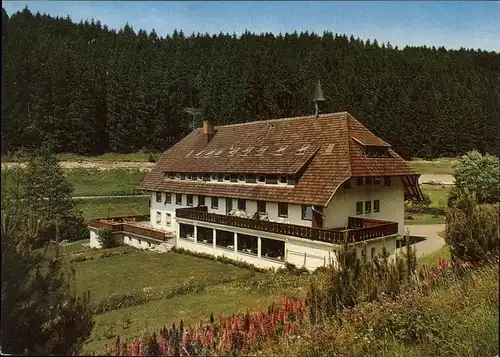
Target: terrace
[[138, 225], [358, 229]]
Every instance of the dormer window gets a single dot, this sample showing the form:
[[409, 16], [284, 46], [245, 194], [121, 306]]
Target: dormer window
[[171, 175], [261, 179], [183, 176], [214, 177], [283, 179], [241, 178], [200, 177], [177, 175], [376, 151], [227, 177]]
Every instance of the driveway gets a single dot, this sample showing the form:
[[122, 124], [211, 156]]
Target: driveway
[[431, 241]]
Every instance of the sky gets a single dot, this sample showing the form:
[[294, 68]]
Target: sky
[[452, 24]]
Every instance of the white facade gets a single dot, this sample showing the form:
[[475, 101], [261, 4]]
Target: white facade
[[343, 203]]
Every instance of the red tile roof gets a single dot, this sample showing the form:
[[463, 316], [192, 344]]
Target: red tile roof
[[324, 151]]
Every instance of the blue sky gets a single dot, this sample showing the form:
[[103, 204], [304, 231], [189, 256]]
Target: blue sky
[[451, 24]]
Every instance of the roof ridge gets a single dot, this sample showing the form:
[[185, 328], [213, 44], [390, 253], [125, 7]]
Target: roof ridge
[[285, 119]]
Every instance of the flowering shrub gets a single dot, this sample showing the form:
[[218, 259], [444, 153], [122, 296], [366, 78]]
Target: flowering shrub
[[229, 336]]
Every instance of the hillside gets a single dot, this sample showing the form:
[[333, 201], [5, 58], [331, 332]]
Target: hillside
[[82, 88]]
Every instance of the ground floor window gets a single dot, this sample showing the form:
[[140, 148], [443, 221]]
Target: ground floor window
[[247, 244], [205, 235], [224, 239], [376, 206], [186, 231], [272, 249]]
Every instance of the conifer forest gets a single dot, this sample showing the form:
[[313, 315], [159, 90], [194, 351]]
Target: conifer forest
[[83, 88]]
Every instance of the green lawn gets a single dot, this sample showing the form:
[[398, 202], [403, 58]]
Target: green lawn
[[93, 182], [438, 195], [113, 207], [109, 157], [441, 166], [143, 269]]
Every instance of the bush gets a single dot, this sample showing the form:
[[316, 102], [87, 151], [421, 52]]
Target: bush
[[105, 237], [151, 158], [479, 174], [472, 230]]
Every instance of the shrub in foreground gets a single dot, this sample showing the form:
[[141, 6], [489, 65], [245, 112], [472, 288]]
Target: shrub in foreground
[[472, 229]]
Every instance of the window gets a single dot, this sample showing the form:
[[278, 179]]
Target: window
[[261, 178], [214, 177], [188, 176], [229, 205], [376, 180], [376, 206], [227, 177], [189, 200], [200, 177], [283, 209], [368, 180], [242, 205], [261, 206], [177, 175], [158, 196], [387, 180], [201, 200], [283, 179], [171, 175], [368, 206], [158, 217], [234, 177], [359, 181], [251, 178], [168, 220], [307, 212], [359, 207], [272, 179], [241, 178], [168, 198], [178, 199], [183, 176], [215, 203]]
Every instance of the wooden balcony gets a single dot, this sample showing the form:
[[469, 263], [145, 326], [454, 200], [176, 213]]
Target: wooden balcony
[[126, 225], [359, 229]]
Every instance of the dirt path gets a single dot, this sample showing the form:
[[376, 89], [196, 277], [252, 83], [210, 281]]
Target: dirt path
[[432, 242], [99, 165], [437, 179]]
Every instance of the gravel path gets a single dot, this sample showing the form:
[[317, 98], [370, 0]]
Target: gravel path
[[432, 242]]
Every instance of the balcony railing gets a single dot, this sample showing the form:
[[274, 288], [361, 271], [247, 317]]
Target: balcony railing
[[121, 225], [356, 234]]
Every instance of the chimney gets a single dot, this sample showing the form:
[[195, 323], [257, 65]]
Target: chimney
[[318, 97], [208, 130]]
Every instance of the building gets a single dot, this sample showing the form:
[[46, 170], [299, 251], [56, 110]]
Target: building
[[284, 190]]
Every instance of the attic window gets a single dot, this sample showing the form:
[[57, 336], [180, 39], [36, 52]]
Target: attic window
[[200, 177], [246, 151], [227, 177], [261, 151], [183, 176], [194, 177], [261, 178], [283, 179], [241, 178], [188, 176], [281, 150], [329, 148], [376, 151], [302, 150], [177, 175], [171, 175], [215, 177]]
